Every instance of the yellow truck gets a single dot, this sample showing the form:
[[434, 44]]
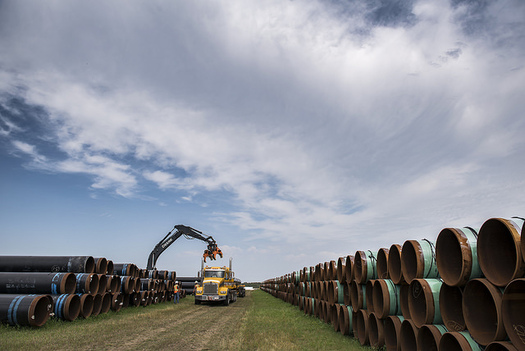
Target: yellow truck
[[218, 285]]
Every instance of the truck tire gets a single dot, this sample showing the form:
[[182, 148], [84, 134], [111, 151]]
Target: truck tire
[[227, 301]]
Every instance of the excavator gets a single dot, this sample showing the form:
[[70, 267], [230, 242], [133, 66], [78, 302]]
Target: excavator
[[189, 233]]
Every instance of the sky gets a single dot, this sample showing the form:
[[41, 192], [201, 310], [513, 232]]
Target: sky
[[292, 132]]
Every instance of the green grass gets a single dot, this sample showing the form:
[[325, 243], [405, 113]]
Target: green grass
[[272, 324], [257, 322]]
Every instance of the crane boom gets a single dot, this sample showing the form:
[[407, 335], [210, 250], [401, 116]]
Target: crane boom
[[189, 232]]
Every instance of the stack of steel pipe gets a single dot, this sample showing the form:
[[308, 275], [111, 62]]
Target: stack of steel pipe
[[463, 291], [34, 288]]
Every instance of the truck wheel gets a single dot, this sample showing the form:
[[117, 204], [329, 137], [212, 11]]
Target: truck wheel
[[227, 301]]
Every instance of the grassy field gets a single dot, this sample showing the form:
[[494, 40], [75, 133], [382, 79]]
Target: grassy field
[[257, 322]]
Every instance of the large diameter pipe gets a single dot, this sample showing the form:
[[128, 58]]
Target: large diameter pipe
[[358, 296], [457, 255], [429, 337], [106, 302], [499, 251], [37, 283], [395, 270], [117, 301], [382, 263], [423, 301], [341, 270], [376, 333], [408, 335], [362, 327], [97, 305], [418, 260], [513, 312], [66, 306], [86, 283], [102, 283], [335, 292], [335, 312], [86, 305], [392, 329], [109, 268], [369, 291], [365, 266], [458, 341], [482, 302], [112, 283], [101, 265], [451, 307], [25, 310], [404, 292], [72, 264], [501, 346], [345, 320], [122, 269], [386, 299], [349, 268]]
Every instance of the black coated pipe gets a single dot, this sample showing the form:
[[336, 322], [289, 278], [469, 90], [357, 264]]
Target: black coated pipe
[[66, 306], [37, 283], [86, 305], [101, 265], [73, 264], [26, 310], [123, 269], [102, 283], [86, 283], [97, 305]]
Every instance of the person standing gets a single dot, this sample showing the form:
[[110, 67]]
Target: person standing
[[176, 291]]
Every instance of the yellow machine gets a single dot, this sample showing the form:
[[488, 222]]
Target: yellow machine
[[218, 285]]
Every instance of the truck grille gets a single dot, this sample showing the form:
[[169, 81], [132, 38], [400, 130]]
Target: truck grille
[[211, 288]]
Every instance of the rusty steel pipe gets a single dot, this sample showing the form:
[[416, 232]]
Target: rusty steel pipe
[[341, 274], [369, 292], [392, 329], [112, 283], [25, 310], [499, 250], [102, 283], [335, 310], [109, 268], [346, 294], [423, 301], [395, 270], [513, 312], [458, 341], [418, 260], [349, 268], [66, 306], [451, 307], [376, 333], [457, 255], [429, 336], [86, 305], [362, 327], [382, 263], [97, 305], [365, 266], [101, 265], [117, 301], [482, 302], [501, 346], [106, 302], [36, 283], [358, 296], [125, 269], [408, 335], [86, 283], [345, 320], [386, 299], [332, 270], [404, 292], [127, 284], [72, 264]]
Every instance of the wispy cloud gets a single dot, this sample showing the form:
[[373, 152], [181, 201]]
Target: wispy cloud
[[358, 122]]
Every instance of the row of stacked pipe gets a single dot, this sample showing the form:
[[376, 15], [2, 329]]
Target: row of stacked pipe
[[463, 291], [34, 288]]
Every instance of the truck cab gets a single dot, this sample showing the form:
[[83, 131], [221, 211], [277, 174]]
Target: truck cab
[[218, 285]]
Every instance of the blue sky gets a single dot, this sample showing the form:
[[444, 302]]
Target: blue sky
[[292, 132]]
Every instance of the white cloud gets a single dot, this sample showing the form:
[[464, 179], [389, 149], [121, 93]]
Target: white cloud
[[319, 126]]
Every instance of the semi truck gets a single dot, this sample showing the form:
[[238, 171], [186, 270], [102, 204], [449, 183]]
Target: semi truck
[[218, 285]]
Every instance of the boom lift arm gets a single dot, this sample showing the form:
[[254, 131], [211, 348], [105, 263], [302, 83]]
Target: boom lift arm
[[189, 233]]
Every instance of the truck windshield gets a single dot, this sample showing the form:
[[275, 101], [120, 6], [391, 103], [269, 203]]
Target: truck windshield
[[214, 274]]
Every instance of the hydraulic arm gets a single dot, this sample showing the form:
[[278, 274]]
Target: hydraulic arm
[[190, 233]]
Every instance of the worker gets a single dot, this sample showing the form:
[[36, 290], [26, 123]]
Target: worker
[[176, 292], [195, 287]]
